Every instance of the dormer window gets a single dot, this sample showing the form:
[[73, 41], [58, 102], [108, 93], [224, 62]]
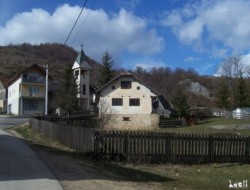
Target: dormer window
[[125, 84]]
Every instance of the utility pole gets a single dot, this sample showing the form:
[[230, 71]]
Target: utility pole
[[46, 88]]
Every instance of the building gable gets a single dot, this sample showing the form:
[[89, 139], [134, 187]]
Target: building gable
[[33, 68]]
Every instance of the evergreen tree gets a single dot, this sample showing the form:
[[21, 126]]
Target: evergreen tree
[[241, 93], [180, 102], [67, 93], [107, 72], [223, 95]]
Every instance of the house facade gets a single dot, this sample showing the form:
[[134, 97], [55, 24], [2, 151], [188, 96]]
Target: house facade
[[129, 103], [3, 94], [26, 92]]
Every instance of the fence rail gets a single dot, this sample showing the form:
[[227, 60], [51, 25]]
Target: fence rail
[[87, 119], [164, 123], [149, 146]]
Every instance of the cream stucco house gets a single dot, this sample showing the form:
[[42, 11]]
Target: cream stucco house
[[26, 92], [130, 103]]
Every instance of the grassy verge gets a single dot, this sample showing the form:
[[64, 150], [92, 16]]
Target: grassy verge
[[167, 176], [39, 139], [204, 127]]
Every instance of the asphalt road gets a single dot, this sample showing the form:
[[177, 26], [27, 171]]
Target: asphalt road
[[8, 121], [20, 169]]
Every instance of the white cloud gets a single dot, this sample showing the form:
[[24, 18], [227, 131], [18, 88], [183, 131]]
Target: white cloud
[[147, 65], [120, 32], [223, 23], [191, 59], [246, 60]]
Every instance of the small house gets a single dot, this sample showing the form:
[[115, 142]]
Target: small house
[[126, 102]]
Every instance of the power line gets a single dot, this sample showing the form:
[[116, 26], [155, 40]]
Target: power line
[[76, 22], [92, 5]]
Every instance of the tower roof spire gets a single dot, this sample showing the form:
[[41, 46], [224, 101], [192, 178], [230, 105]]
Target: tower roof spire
[[82, 59]]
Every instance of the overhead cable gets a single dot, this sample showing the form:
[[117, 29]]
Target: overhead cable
[[92, 5], [76, 22]]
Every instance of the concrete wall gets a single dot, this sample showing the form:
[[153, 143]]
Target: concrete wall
[[134, 121]]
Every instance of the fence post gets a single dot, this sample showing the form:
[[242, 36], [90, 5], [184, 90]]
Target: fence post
[[247, 153], [126, 144], [97, 139], [210, 148]]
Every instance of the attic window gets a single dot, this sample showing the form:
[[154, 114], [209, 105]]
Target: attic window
[[138, 87], [125, 84]]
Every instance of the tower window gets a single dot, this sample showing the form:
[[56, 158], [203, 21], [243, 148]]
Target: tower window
[[76, 73], [84, 89], [84, 73]]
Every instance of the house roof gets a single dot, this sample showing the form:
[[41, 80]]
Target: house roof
[[166, 105], [17, 76], [127, 75], [81, 60], [4, 81]]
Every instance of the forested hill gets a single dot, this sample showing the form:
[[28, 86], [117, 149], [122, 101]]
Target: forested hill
[[14, 58]]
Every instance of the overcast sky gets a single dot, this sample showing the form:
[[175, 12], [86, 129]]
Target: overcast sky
[[174, 33]]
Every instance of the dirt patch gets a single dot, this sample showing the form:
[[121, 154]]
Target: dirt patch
[[77, 174]]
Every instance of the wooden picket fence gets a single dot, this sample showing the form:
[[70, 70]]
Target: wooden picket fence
[[172, 147], [81, 139], [156, 147]]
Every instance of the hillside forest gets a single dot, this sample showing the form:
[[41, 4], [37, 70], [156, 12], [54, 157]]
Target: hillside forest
[[224, 92]]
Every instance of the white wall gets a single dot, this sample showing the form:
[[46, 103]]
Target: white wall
[[13, 97], [144, 94]]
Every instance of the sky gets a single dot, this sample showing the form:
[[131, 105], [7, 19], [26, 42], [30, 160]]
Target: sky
[[197, 34]]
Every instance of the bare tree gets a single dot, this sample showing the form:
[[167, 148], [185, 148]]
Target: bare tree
[[106, 113], [232, 67]]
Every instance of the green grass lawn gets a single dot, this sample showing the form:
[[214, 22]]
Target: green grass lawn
[[204, 127], [202, 177]]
